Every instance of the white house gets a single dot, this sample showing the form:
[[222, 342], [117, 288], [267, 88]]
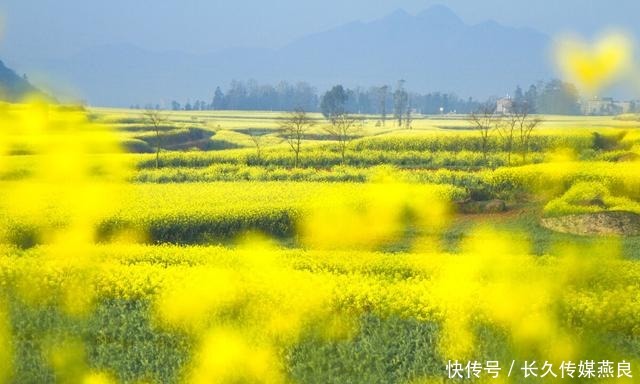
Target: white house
[[504, 105]]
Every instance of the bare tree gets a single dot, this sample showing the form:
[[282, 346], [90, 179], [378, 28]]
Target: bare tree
[[484, 120], [156, 119], [343, 128], [295, 125], [256, 138], [506, 128], [525, 125]]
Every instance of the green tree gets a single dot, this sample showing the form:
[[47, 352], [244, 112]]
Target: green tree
[[218, 100], [531, 98], [558, 98], [382, 94], [333, 102], [400, 101]]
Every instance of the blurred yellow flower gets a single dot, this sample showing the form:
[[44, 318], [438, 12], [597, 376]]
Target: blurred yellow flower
[[594, 66]]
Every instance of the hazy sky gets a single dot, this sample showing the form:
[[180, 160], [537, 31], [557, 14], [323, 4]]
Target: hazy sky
[[49, 28]]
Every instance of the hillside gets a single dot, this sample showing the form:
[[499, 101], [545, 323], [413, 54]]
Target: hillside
[[13, 87]]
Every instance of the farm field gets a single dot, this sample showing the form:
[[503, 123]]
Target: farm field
[[218, 260]]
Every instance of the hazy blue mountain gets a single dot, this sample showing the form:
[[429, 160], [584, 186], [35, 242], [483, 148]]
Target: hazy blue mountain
[[434, 50], [13, 87]]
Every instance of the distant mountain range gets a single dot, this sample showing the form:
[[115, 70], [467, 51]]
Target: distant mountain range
[[14, 88], [433, 51]]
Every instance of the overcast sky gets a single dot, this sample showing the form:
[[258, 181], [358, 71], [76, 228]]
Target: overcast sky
[[49, 28]]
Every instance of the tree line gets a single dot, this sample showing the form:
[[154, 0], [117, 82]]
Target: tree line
[[252, 96], [396, 102], [553, 97], [514, 128]]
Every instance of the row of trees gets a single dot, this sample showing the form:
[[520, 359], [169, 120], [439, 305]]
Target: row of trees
[[342, 107], [554, 97], [251, 96], [551, 97], [296, 125], [383, 100], [339, 101], [513, 128]]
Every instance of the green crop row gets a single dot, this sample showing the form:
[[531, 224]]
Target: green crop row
[[193, 213]]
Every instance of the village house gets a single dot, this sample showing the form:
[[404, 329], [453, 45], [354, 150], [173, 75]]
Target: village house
[[607, 106], [504, 105]]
